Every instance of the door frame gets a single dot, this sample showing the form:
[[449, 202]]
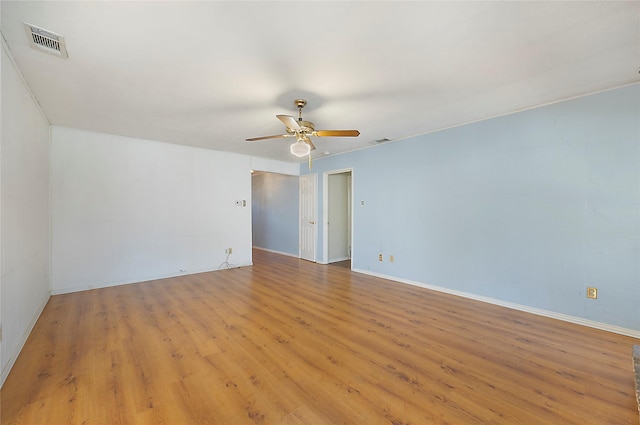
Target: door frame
[[325, 212]]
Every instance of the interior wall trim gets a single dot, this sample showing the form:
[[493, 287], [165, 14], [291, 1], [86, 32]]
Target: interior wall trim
[[23, 340], [129, 282], [527, 309], [288, 254]]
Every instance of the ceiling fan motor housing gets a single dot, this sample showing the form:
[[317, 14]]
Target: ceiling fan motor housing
[[306, 127]]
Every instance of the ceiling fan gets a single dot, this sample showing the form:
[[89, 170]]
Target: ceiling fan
[[301, 130]]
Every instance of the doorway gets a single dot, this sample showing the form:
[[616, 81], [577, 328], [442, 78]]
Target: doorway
[[338, 210]]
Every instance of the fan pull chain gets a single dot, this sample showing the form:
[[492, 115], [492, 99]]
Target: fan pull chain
[[309, 160]]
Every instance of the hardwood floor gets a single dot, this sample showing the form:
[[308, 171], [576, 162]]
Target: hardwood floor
[[295, 343]]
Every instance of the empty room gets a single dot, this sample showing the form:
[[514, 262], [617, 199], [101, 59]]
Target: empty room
[[320, 212]]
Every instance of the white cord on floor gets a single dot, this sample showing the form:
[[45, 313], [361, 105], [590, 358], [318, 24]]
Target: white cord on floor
[[226, 264]]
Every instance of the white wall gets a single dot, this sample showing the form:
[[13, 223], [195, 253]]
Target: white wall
[[25, 229], [273, 166], [127, 210]]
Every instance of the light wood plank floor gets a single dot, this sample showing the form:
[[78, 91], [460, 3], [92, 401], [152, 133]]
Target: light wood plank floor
[[294, 343]]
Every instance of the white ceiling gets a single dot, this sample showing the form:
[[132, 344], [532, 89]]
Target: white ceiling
[[211, 74]]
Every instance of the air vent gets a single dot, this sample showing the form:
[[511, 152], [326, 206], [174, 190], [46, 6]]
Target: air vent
[[46, 41]]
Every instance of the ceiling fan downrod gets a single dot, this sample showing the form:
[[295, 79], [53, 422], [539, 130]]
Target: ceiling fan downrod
[[300, 104]]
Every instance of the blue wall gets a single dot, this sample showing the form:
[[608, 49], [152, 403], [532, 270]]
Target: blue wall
[[528, 208], [274, 209]]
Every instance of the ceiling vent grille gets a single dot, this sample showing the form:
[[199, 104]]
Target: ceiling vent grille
[[46, 41]]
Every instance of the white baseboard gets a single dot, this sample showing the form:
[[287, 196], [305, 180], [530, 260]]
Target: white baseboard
[[139, 280], [14, 355], [540, 312], [288, 254], [335, 260]]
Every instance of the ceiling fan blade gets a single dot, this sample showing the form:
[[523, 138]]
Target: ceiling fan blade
[[289, 121], [277, 136], [336, 133]]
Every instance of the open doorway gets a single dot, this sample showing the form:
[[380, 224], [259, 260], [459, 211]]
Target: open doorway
[[274, 212], [338, 229]]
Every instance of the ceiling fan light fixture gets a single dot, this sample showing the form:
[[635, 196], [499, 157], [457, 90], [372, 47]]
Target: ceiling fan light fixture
[[300, 149]]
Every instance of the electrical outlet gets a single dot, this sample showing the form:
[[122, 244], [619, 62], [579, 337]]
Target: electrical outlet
[[592, 293], [391, 258], [380, 257], [228, 251]]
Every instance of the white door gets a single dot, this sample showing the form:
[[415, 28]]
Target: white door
[[308, 227]]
